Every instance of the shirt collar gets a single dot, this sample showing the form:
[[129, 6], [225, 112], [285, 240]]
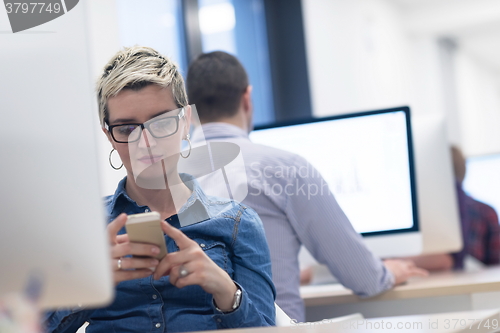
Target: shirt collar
[[219, 130], [193, 211]]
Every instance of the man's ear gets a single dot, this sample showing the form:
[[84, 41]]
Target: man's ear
[[248, 108], [246, 99]]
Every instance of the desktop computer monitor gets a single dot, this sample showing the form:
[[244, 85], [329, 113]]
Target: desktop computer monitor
[[437, 198], [53, 226], [367, 160]]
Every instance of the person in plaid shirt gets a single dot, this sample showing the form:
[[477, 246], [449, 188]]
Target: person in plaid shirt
[[480, 229]]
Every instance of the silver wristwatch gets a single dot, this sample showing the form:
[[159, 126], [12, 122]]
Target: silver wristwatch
[[236, 301]]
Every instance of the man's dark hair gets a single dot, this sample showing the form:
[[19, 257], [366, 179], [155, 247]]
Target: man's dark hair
[[215, 83]]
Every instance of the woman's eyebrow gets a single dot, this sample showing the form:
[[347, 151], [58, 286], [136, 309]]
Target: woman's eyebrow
[[162, 113], [123, 120], [134, 121]]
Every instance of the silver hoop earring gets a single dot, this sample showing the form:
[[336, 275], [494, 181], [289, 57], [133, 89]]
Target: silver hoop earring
[[189, 143], [111, 163]]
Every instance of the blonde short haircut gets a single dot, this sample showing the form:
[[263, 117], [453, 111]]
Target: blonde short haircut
[[135, 68]]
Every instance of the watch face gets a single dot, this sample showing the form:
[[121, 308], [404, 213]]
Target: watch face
[[236, 303], [237, 299]]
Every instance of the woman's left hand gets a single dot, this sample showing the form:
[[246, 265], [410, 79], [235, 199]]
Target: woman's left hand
[[202, 271]]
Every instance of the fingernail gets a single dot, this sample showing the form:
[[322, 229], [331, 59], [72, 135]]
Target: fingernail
[[154, 262], [155, 250]]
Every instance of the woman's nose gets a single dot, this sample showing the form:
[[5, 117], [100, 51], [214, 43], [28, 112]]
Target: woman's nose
[[146, 139]]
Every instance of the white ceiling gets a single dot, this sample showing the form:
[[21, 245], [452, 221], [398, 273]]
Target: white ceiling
[[473, 24]]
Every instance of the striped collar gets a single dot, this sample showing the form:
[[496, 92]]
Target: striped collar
[[219, 130]]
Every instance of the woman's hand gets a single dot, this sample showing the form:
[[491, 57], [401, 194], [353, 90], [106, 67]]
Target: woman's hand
[[129, 268], [200, 269]]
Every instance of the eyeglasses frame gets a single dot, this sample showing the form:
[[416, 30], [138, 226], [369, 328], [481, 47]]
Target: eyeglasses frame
[[146, 125]]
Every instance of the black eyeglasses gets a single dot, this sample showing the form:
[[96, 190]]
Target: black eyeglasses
[[159, 127]]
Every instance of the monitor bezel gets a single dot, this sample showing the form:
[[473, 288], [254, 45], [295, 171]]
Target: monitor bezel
[[411, 157]]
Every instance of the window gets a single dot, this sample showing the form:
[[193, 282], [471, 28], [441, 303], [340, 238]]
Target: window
[[265, 35], [239, 27]]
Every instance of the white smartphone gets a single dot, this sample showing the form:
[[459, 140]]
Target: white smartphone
[[146, 228]]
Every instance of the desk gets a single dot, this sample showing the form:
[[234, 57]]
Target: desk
[[440, 292], [472, 321]]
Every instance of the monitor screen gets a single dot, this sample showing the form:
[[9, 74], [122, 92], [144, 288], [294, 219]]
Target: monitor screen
[[366, 159], [482, 180]]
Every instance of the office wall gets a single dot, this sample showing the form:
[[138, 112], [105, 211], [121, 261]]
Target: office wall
[[478, 92], [370, 54], [470, 69], [362, 57], [358, 55]]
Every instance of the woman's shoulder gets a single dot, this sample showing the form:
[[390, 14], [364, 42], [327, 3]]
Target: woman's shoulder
[[225, 208]]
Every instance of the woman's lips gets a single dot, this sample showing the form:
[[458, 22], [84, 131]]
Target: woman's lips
[[150, 159]]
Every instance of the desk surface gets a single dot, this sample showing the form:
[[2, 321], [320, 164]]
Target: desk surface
[[469, 321], [437, 284]]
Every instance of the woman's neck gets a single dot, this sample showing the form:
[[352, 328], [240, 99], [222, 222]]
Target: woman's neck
[[165, 201]]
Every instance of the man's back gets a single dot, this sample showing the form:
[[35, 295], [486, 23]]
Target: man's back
[[297, 207]]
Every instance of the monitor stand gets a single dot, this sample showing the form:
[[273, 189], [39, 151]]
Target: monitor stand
[[395, 245]]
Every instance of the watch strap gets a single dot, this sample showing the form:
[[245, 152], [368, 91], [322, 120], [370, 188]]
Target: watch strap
[[236, 300]]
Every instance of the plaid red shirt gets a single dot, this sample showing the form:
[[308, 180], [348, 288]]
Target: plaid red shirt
[[480, 230]]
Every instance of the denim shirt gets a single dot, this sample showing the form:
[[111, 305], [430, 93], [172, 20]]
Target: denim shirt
[[233, 238]]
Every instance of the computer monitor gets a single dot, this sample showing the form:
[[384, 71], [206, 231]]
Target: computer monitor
[[482, 180], [53, 226], [437, 198], [367, 160]]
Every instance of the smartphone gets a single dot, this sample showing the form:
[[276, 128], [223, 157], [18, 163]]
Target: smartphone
[[146, 228]]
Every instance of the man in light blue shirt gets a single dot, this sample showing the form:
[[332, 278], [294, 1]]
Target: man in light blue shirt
[[279, 190]]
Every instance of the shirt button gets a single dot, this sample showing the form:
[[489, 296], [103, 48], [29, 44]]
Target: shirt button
[[202, 245], [155, 296], [158, 325], [146, 210], [219, 320]]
